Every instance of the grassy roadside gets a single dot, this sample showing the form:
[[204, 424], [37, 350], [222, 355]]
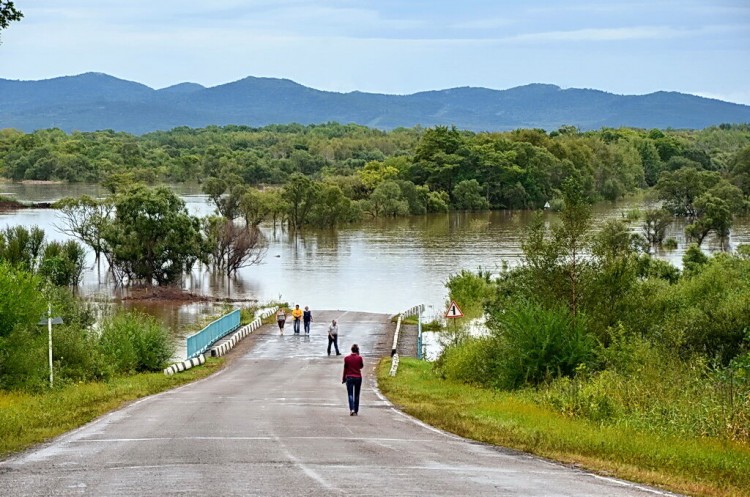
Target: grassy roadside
[[28, 419], [701, 467]]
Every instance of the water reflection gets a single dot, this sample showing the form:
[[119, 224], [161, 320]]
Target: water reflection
[[378, 266]]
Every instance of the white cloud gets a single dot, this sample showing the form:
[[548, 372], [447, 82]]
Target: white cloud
[[602, 34]]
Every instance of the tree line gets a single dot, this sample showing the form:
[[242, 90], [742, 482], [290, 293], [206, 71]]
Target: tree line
[[330, 174]]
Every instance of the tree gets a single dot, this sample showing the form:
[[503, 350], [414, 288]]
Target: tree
[[85, 218], [438, 157], [331, 208], [232, 246], [18, 286], [680, 189], [571, 236], [375, 172], [300, 193], [62, 263], [152, 237], [253, 206], [8, 14], [22, 247], [386, 201], [712, 214], [226, 194], [467, 196], [655, 224]]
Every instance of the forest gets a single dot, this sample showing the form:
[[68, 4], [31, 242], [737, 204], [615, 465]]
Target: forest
[[335, 173]]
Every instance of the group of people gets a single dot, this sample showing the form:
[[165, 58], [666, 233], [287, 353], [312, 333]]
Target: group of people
[[297, 316], [306, 318], [353, 363]]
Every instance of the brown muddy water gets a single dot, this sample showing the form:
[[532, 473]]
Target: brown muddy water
[[376, 266]]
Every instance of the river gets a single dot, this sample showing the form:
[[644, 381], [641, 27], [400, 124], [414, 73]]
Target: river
[[375, 266]]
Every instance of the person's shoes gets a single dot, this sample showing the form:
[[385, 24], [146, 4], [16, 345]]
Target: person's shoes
[[329, 353], [355, 413], [338, 353], [352, 413]]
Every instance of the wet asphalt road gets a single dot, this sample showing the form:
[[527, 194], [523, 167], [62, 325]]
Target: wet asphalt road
[[275, 423]]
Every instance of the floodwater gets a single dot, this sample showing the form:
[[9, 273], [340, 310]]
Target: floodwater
[[376, 266]]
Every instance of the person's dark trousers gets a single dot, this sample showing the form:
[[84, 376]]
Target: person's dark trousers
[[353, 386], [296, 325], [335, 341], [307, 326]]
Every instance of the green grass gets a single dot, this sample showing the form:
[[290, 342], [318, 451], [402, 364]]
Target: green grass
[[28, 419], [695, 466]]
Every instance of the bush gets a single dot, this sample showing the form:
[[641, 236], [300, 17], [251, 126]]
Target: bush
[[536, 344], [63, 263], [470, 290], [527, 346], [466, 362], [23, 360], [134, 342]]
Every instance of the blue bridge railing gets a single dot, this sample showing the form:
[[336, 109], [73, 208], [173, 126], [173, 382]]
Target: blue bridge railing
[[201, 341]]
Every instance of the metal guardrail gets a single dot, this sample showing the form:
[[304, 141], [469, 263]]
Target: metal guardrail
[[201, 341], [416, 310]]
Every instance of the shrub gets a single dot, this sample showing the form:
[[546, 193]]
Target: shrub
[[467, 361], [470, 290], [23, 360], [134, 342], [21, 302], [527, 346], [63, 263], [670, 244], [536, 344]]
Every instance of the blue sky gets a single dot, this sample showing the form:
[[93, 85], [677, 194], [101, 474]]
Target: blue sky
[[626, 47]]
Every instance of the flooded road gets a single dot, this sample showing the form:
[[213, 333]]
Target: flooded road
[[379, 266]]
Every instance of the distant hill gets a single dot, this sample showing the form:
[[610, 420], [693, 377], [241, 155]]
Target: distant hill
[[94, 101]]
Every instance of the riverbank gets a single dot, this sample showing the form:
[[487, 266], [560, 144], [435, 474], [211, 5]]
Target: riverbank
[[29, 419], [10, 204], [702, 467]]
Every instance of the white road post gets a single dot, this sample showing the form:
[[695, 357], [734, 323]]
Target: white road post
[[49, 329]]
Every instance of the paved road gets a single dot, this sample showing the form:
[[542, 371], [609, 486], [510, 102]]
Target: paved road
[[275, 422]]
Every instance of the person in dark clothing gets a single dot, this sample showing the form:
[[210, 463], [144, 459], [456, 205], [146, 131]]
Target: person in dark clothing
[[352, 376], [307, 319], [333, 337]]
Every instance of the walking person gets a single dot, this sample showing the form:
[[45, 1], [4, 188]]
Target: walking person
[[353, 365], [333, 337], [307, 319], [281, 319], [296, 318]]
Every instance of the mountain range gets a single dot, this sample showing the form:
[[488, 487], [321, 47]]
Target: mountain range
[[94, 101]]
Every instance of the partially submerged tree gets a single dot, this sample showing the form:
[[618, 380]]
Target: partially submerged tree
[[84, 218], [655, 224], [152, 237], [233, 246]]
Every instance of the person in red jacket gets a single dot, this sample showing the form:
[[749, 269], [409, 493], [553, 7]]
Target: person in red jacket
[[352, 376]]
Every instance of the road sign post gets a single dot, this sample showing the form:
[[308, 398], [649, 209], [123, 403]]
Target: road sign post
[[454, 312], [49, 322]]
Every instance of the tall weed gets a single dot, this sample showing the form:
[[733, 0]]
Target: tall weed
[[650, 387]]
